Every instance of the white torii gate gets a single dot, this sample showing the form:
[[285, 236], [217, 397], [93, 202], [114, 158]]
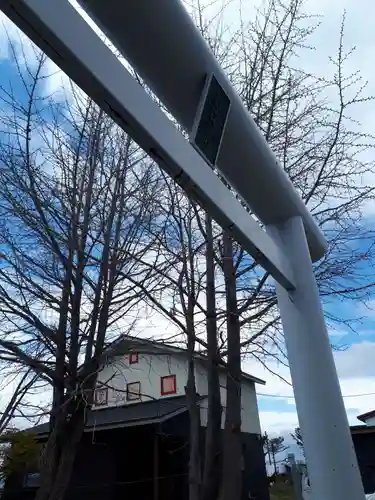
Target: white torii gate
[[161, 42]]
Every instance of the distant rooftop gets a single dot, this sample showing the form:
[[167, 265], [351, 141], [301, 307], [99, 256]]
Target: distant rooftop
[[366, 416]]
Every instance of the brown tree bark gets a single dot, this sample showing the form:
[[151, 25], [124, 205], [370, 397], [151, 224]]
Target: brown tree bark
[[232, 446], [72, 438], [212, 459], [50, 458], [188, 303], [194, 444]]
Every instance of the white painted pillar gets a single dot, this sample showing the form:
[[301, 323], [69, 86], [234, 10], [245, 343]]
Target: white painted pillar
[[330, 455]]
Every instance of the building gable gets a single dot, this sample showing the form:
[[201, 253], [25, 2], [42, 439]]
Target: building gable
[[149, 375]]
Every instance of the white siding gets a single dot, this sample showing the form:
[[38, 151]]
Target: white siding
[[249, 405], [249, 415], [149, 370]]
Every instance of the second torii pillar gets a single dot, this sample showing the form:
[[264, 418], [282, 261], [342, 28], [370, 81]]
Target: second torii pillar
[[331, 459]]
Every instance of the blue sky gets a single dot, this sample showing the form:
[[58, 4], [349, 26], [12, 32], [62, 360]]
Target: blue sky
[[356, 366]]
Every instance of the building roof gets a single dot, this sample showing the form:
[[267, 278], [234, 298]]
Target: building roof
[[127, 343], [130, 415], [362, 429], [365, 416]]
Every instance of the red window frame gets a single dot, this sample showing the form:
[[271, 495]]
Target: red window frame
[[133, 358], [173, 391], [96, 392]]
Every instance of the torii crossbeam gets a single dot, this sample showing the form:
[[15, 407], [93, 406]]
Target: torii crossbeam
[[161, 42]]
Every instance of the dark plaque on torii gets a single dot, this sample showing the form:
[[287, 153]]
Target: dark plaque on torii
[[210, 120]]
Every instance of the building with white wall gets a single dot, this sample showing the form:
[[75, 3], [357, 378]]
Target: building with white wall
[[137, 433], [139, 371]]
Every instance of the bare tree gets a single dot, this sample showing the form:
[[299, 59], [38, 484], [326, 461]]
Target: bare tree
[[186, 267], [80, 246], [308, 121], [232, 446], [276, 446], [212, 458], [297, 436], [266, 447], [20, 403], [75, 217], [271, 448]]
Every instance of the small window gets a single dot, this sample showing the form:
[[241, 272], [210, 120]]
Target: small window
[[32, 480], [101, 396], [133, 358], [133, 391], [168, 385]]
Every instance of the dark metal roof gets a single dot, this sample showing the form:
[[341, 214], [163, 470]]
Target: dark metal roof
[[366, 416], [127, 416]]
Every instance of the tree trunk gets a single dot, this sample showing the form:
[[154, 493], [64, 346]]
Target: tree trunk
[[68, 453], [232, 445], [51, 453], [59, 455], [211, 473], [50, 459], [274, 461], [194, 414]]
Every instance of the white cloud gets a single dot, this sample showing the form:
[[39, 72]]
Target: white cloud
[[19, 41], [14, 43], [57, 83], [356, 369], [278, 422], [357, 362]]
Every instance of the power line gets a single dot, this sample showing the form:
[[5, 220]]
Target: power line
[[292, 397]]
